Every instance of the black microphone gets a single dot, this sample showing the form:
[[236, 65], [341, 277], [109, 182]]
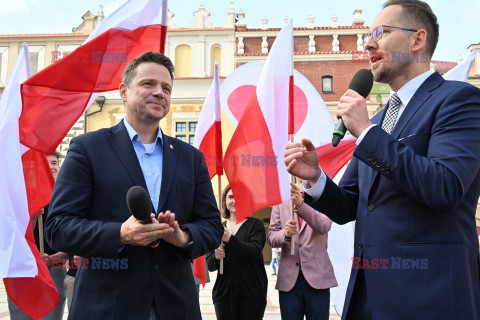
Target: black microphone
[[140, 206], [362, 82]]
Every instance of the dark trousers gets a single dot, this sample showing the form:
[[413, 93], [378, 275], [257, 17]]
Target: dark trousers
[[358, 308], [303, 300], [239, 308]]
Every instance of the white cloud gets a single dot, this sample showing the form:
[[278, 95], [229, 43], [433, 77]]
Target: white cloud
[[18, 6]]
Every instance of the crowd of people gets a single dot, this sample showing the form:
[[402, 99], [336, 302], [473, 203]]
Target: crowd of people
[[412, 187]]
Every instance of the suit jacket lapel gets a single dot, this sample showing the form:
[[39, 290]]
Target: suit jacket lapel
[[170, 154], [124, 150], [423, 93]]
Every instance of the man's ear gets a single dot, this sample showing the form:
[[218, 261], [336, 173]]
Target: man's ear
[[123, 91], [419, 41]]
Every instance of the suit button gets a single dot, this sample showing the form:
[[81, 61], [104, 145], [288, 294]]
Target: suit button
[[296, 264], [300, 245], [369, 158], [360, 245], [371, 207], [155, 266]]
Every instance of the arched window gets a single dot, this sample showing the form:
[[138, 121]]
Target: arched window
[[183, 61], [327, 84], [217, 56]]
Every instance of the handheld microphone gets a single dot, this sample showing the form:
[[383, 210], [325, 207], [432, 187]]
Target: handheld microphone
[[140, 206], [362, 82]]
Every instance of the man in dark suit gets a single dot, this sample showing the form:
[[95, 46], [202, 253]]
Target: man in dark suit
[[413, 182], [126, 277]]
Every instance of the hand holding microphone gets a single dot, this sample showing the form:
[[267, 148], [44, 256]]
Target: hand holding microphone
[[143, 229], [352, 110]]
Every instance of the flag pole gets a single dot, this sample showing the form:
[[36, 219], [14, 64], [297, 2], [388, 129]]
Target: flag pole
[[220, 206], [40, 234], [292, 180]]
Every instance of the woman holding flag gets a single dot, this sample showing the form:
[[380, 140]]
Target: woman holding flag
[[241, 291]]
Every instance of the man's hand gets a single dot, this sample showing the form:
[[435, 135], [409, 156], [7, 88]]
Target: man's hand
[[220, 252], [59, 258], [47, 260], [178, 237], [353, 111], [34, 218], [133, 232], [301, 160], [296, 195], [226, 235], [290, 228]]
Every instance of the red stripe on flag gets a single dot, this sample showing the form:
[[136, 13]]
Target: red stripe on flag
[[54, 98], [251, 165], [35, 296], [199, 269], [332, 159], [291, 122], [211, 146]]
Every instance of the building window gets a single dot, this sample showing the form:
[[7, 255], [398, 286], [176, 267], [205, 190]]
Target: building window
[[3, 65], [327, 84], [183, 61], [216, 56], [37, 58], [185, 130]]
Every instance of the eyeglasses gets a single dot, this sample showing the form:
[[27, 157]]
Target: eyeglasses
[[377, 33]]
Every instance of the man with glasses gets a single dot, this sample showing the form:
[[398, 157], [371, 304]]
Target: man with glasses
[[413, 184]]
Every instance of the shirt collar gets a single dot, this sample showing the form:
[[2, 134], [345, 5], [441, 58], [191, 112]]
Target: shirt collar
[[133, 134], [408, 90]]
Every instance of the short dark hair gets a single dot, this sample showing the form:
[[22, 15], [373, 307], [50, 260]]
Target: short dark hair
[[418, 14], [56, 154], [149, 56], [225, 211]]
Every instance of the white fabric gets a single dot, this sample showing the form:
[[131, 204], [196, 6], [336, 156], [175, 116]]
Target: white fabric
[[16, 258], [132, 15], [272, 94], [210, 110], [460, 72]]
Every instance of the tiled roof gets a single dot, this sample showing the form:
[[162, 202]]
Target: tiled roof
[[444, 66], [307, 28], [300, 52]]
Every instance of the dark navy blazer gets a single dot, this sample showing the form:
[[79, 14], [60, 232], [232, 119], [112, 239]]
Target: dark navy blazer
[[414, 195], [86, 212]]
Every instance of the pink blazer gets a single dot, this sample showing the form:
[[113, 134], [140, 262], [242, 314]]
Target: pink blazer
[[310, 247]]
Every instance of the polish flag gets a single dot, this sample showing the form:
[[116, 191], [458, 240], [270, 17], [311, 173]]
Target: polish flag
[[208, 139], [54, 98], [26, 185], [254, 158]]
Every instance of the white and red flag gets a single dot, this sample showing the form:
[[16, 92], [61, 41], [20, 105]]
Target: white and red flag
[[54, 98], [208, 139], [26, 185], [254, 158]]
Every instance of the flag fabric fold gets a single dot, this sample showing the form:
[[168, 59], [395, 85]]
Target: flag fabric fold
[[208, 136], [26, 185], [254, 158], [55, 97], [461, 71]]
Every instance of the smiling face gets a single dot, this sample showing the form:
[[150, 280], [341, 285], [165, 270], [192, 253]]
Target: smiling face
[[385, 68], [147, 98]]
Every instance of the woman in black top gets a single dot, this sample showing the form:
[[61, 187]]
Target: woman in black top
[[241, 291]]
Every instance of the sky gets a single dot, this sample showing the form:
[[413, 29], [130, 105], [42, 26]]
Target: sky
[[458, 20]]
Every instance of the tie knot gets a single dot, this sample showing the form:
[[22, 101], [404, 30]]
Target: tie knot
[[395, 100]]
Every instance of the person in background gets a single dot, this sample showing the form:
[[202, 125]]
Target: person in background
[[54, 260], [274, 264], [240, 293], [304, 278]]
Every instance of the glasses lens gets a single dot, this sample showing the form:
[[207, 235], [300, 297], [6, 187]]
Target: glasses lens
[[377, 33], [365, 40]]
